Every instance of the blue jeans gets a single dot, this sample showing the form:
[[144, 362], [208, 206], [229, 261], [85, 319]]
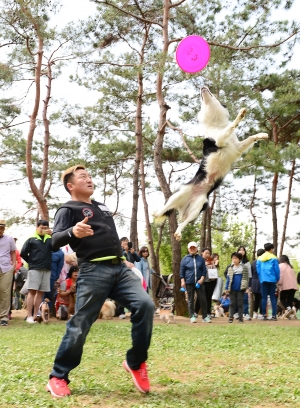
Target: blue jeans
[[95, 283], [268, 288]]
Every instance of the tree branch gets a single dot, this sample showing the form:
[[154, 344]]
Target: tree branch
[[184, 142], [9, 126], [12, 181], [108, 63], [252, 47], [144, 20], [176, 4], [290, 121]]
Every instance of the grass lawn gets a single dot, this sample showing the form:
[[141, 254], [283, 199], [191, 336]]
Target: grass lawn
[[254, 364]]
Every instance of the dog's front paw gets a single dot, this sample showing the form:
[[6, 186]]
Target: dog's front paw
[[262, 136], [242, 112], [177, 235]]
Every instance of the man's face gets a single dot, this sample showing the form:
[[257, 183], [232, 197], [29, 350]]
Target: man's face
[[193, 250], [81, 183], [42, 229], [2, 229]]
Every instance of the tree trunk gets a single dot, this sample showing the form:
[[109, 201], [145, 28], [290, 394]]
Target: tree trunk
[[41, 200], [208, 228], [287, 209], [139, 138], [135, 181], [254, 219], [274, 212], [180, 304], [203, 231], [274, 191]]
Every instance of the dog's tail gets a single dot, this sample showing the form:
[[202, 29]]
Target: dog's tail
[[160, 219]]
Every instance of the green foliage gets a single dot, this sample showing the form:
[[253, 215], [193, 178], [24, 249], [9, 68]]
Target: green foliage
[[245, 375], [239, 234]]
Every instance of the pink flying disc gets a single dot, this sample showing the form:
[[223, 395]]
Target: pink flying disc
[[192, 54]]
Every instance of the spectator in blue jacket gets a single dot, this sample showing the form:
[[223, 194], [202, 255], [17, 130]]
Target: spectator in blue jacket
[[192, 274], [57, 262], [225, 302], [267, 267]]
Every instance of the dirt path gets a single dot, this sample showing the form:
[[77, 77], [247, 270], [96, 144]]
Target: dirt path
[[21, 314]]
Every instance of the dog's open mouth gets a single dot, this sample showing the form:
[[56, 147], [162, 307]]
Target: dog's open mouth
[[205, 89]]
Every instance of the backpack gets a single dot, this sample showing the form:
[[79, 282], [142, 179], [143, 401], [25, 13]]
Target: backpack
[[298, 278]]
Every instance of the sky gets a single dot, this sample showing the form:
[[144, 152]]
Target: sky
[[64, 89]]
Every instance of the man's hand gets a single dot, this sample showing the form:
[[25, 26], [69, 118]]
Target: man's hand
[[131, 250], [129, 264], [82, 229]]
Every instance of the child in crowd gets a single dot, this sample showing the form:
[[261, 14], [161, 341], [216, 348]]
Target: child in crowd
[[236, 284], [67, 292], [225, 302]]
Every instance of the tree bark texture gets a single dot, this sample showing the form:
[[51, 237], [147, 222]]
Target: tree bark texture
[[41, 200], [287, 209], [254, 219], [208, 228], [274, 192], [203, 230], [180, 304]]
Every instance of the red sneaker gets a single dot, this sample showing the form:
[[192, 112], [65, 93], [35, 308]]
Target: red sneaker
[[140, 377], [58, 387]]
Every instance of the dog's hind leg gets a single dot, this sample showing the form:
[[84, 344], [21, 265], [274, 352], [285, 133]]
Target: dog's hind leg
[[193, 212], [247, 143], [176, 200]]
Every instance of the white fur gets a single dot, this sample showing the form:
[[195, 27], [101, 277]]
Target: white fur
[[219, 311], [108, 310], [190, 198]]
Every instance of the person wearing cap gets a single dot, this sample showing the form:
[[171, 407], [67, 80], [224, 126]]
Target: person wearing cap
[[88, 227], [192, 274], [7, 267]]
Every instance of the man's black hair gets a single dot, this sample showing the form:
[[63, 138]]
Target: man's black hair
[[260, 252], [268, 246], [45, 223], [124, 239]]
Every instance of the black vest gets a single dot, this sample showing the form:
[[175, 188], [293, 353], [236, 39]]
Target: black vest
[[105, 241]]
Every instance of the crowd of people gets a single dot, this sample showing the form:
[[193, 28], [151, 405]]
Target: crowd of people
[[82, 262], [265, 279]]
